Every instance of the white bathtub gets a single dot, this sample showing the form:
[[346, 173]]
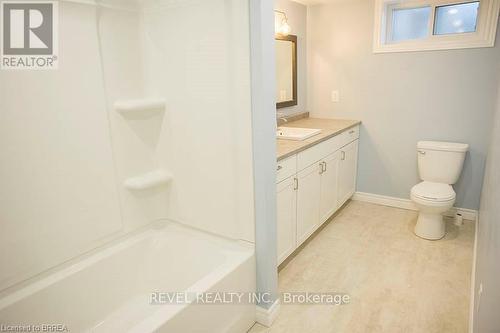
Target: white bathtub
[[110, 290]]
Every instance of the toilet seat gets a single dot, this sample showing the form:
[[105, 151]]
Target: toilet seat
[[433, 192]]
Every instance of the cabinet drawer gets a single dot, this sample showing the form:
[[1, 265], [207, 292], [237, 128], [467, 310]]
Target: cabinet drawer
[[350, 135], [286, 168], [319, 151]]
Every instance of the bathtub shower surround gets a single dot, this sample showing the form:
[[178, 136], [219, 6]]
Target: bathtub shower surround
[[123, 276], [171, 101], [136, 127]]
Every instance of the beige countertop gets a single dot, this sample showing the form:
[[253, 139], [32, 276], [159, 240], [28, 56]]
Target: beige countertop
[[329, 128]]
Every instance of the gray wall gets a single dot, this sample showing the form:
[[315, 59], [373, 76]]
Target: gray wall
[[400, 97], [297, 18], [264, 147], [487, 305]]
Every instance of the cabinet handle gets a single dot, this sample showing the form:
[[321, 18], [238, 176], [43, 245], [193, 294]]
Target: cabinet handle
[[295, 184], [279, 168], [322, 166], [342, 155], [351, 132]]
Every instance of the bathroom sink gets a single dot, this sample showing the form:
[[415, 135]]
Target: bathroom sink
[[296, 133]]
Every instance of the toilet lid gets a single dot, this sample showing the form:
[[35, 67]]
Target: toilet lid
[[433, 191]]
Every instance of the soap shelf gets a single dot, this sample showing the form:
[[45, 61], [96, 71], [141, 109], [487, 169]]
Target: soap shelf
[[148, 180], [139, 105]]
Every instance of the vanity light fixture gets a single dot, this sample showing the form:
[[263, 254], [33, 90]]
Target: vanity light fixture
[[284, 29]]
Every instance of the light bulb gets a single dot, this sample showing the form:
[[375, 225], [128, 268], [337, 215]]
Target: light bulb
[[285, 28]]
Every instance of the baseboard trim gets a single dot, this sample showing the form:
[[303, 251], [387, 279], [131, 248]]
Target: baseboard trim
[[267, 317], [472, 306], [468, 214]]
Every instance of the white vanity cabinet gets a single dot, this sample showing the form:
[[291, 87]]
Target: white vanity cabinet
[[287, 217], [286, 176], [347, 170], [329, 199], [312, 185], [308, 189]]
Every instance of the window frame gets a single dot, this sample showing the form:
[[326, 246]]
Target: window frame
[[484, 36]]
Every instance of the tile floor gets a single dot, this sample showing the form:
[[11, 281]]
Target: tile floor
[[397, 281]]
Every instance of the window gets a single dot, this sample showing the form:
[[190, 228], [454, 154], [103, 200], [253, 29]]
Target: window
[[409, 23], [456, 19], [418, 25]]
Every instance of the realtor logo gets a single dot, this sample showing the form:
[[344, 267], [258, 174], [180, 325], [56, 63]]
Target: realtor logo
[[29, 34]]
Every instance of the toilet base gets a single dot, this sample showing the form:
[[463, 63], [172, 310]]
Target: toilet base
[[430, 226]]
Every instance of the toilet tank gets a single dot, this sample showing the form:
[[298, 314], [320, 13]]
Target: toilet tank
[[441, 162]]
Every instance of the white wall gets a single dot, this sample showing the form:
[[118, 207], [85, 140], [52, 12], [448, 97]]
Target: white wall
[[297, 19], [400, 98], [486, 319], [65, 152]]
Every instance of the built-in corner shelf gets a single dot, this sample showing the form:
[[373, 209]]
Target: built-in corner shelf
[[148, 180], [136, 106]]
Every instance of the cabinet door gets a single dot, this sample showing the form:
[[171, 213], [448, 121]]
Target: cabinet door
[[329, 186], [287, 218], [347, 171], [308, 202]]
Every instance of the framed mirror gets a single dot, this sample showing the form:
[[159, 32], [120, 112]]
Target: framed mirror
[[286, 71]]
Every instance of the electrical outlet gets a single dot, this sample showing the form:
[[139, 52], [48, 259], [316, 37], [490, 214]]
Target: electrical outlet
[[335, 96]]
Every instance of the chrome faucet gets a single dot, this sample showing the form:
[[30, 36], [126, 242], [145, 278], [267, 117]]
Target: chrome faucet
[[280, 116]]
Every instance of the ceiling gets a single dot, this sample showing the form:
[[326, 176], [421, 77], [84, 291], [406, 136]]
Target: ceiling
[[316, 2]]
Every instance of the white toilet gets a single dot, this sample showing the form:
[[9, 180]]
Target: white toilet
[[439, 166]]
